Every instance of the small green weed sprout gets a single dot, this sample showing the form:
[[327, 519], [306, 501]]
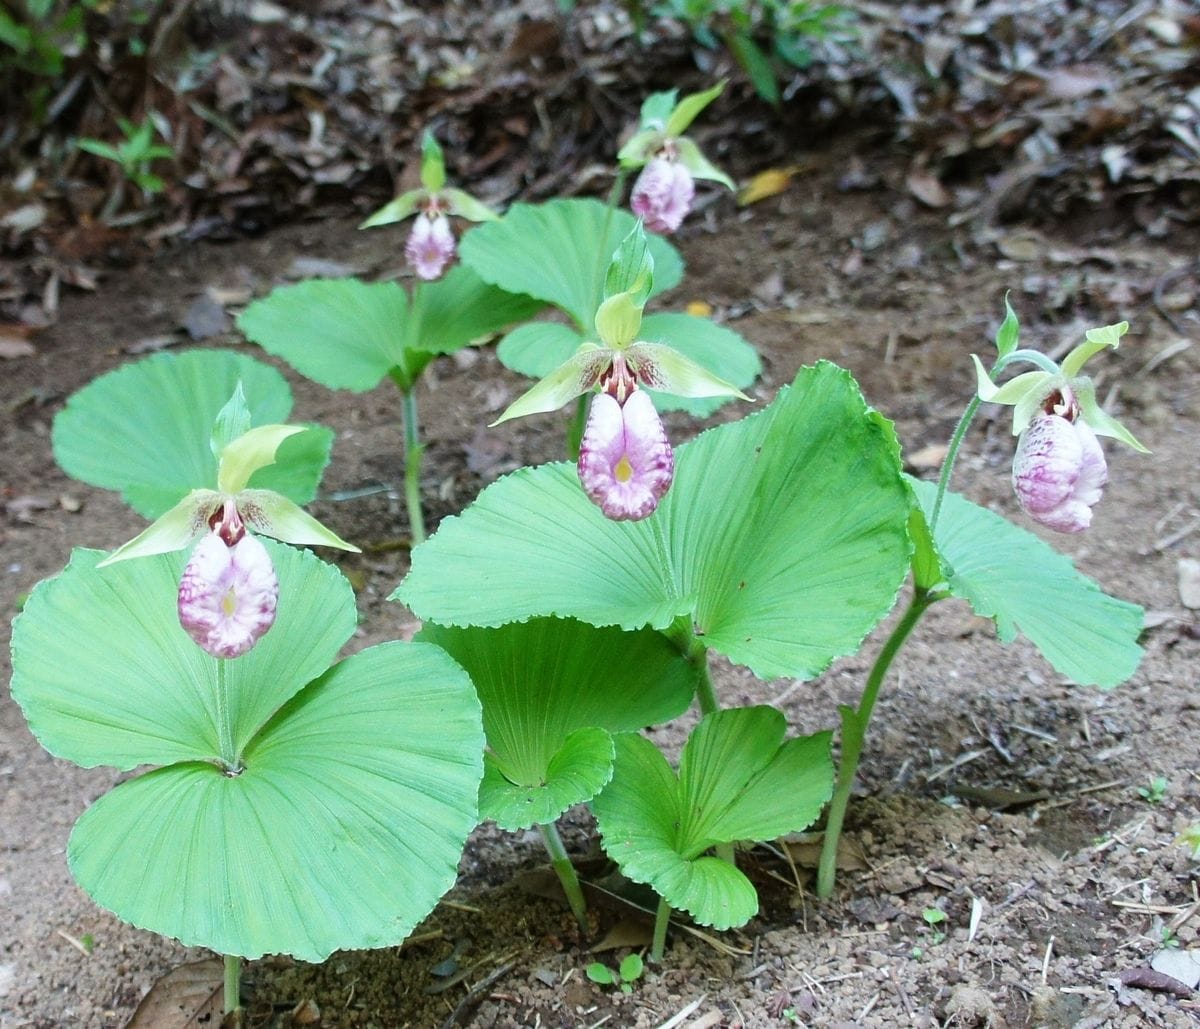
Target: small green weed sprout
[[1155, 791], [624, 975], [134, 154], [934, 918]]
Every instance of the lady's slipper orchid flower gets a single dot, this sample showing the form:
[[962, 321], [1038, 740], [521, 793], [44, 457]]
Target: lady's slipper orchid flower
[[663, 193], [625, 460], [1059, 470], [228, 592], [228, 595], [431, 245], [670, 162]]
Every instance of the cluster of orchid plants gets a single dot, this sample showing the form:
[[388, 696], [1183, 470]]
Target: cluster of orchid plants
[[298, 803]]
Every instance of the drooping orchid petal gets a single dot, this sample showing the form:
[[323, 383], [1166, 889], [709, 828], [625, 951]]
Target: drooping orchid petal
[[175, 530], [625, 460], [658, 366], [228, 595], [430, 247], [1059, 472], [663, 193], [272, 514]]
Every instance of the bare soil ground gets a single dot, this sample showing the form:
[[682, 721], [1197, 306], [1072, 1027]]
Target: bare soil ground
[[989, 783]]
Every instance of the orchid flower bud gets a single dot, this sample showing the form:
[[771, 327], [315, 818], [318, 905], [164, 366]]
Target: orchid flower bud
[[1059, 472], [625, 460], [662, 195], [228, 595], [430, 247]]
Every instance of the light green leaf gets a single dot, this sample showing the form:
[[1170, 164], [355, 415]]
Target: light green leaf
[[347, 334], [631, 270], [342, 333], [738, 780], [433, 164], [274, 515], [251, 451], [106, 675], [1009, 575], [144, 429], [666, 369], [342, 831], [232, 421], [574, 377], [783, 539], [1009, 332], [1097, 340], [699, 165], [549, 251], [463, 205], [1101, 422], [691, 105], [535, 349], [640, 147], [552, 690], [755, 64], [176, 529], [396, 209], [657, 108]]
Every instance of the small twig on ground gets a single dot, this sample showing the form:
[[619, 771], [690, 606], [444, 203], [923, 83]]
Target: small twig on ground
[[682, 1013], [476, 994]]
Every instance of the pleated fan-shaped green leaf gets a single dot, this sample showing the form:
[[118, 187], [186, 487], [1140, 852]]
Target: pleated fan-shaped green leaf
[[355, 788], [144, 429], [1009, 575], [552, 691], [349, 334], [738, 780], [106, 675], [782, 539], [537, 348], [559, 252]]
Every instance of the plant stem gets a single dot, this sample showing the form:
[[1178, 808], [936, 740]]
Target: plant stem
[[662, 918], [566, 873], [233, 988], [960, 431], [227, 753], [412, 466], [854, 731]]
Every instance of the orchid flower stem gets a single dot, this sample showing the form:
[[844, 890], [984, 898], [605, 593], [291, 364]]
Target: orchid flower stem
[[662, 918], [228, 755], [854, 732], [566, 873], [412, 466], [960, 432], [233, 988]]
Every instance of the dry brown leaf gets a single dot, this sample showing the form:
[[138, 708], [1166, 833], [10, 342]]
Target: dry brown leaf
[[629, 932], [13, 345], [766, 184], [926, 187], [187, 997], [1189, 582], [1020, 246], [927, 459]]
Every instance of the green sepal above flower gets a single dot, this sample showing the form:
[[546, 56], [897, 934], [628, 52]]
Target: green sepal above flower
[[1028, 392]]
